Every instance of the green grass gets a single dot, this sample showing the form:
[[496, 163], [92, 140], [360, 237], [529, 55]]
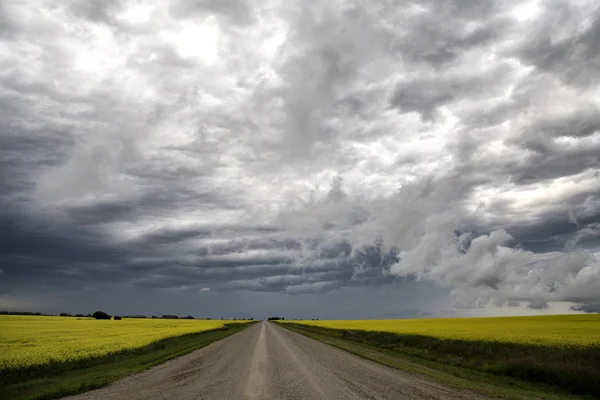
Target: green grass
[[509, 371], [56, 380]]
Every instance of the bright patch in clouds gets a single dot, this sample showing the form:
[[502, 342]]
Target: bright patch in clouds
[[528, 11], [196, 40], [136, 14]]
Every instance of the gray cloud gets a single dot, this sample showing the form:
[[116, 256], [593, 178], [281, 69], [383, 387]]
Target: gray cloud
[[327, 48], [301, 154], [96, 10], [570, 52], [437, 33], [589, 308], [235, 11], [425, 95]]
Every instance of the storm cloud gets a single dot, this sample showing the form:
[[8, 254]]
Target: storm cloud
[[305, 158]]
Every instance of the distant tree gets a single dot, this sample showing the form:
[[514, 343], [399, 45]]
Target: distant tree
[[64, 314], [221, 318], [117, 318], [251, 319], [79, 315], [101, 315], [188, 317], [154, 317], [168, 316], [275, 318]]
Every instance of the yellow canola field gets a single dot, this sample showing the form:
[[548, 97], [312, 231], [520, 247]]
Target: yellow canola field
[[554, 330], [30, 340]]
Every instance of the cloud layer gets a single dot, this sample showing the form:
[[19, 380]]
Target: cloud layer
[[235, 146]]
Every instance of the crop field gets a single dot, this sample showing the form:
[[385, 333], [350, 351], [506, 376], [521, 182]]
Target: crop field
[[556, 330], [561, 351], [29, 341]]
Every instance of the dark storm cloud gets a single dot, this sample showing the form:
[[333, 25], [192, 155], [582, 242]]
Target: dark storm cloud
[[101, 213], [42, 239], [198, 147], [54, 251], [588, 308], [554, 232], [551, 163]]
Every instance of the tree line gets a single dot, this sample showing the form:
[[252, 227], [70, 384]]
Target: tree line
[[104, 315]]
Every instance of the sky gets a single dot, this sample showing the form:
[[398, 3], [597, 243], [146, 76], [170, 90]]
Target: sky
[[313, 159]]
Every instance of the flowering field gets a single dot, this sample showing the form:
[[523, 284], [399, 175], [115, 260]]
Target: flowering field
[[561, 351], [554, 330], [27, 341]]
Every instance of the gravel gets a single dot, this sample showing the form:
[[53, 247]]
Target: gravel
[[266, 361]]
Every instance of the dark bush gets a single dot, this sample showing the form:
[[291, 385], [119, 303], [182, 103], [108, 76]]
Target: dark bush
[[64, 314], [101, 315], [117, 318]]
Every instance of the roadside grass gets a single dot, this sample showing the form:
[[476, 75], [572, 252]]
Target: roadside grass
[[56, 380], [500, 370]]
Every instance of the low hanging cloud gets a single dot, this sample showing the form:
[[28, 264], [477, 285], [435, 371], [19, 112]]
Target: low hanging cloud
[[302, 149]]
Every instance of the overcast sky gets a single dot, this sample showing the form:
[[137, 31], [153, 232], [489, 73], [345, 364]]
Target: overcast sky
[[330, 159]]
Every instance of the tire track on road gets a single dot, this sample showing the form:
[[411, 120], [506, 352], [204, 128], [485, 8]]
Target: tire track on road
[[255, 386], [266, 361]]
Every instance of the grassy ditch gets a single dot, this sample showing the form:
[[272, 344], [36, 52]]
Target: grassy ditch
[[56, 380], [505, 370]]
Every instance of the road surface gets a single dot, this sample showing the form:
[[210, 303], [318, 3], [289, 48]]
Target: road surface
[[266, 361]]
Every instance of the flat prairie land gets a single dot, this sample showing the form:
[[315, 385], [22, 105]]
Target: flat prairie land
[[50, 357], [553, 330], [27, 341], [561, 352]]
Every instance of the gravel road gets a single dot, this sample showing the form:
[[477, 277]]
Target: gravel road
[[266, 361]]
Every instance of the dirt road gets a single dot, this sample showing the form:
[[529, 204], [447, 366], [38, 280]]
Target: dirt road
[[266, 361]]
